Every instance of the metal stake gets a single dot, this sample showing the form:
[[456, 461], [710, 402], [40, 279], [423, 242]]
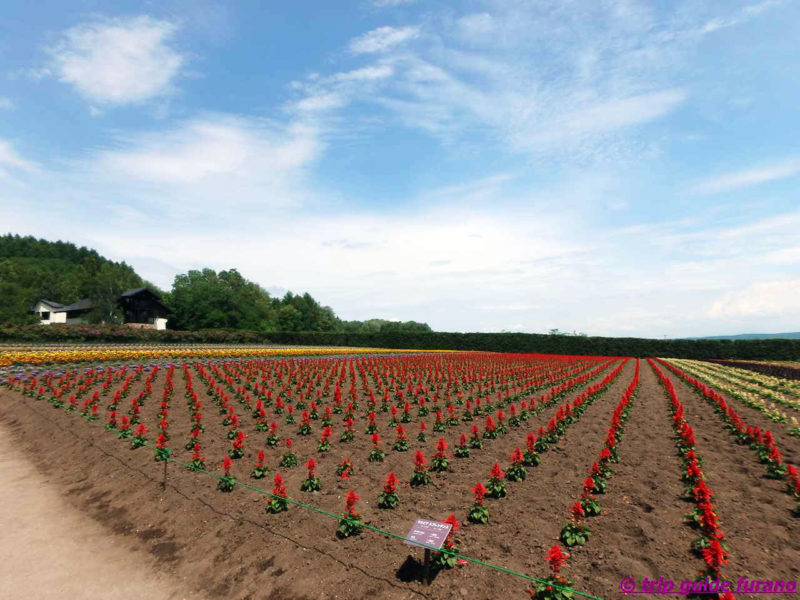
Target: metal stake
[[427, 566]]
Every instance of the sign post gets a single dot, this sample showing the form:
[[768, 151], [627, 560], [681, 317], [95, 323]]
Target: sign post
[[429, 535]]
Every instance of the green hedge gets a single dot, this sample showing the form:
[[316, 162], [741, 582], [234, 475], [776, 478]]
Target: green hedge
[[775, 349], [772, 349]]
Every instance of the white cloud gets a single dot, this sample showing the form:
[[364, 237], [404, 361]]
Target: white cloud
[[202, 166], [9, 159], [324, 101], [763, 299], [207, 148], [605, 117], [6, 103], [370, 73], [382, 39], [478, 25], [749, 177], [118, 61]]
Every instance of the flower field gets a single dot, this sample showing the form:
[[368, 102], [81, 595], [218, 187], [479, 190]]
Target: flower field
[[251, 471]]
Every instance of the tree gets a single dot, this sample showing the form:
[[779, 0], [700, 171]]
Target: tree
[[225, 300]]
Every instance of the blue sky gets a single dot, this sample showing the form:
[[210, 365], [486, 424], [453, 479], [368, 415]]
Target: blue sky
[[615, 168]]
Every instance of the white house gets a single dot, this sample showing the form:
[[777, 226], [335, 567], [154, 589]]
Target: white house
[[50, 312]]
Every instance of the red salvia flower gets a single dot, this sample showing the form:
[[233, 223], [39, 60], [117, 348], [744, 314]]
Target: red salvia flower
[[451, 520], [376, 439], [311, 465], [462, 440], [419, 462], [588, 487], [556, 558], [479, 491], [279, 489], [496, 472], [391, 483], [350, 504], [715, 556], [530, 441], [516, 457], [226, 465], [577, 511], [401, 432], [196, 455]]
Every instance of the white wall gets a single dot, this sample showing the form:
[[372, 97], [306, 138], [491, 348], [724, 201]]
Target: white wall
[[161, 324], [53, 317]]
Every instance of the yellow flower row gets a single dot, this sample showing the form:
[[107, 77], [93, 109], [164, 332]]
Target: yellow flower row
[[750, 396], [153, 352], [770, 388]]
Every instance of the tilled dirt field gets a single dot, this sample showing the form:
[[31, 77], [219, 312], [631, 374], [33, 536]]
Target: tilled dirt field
[[226, 545]]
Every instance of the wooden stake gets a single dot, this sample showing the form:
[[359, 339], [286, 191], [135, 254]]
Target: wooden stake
[[427, 567]]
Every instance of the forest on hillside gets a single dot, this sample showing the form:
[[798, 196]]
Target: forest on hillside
[[34, 269]]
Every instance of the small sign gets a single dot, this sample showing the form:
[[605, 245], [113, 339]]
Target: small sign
[[428, 533]]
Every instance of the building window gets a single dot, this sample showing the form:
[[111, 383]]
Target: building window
[[45, 315]]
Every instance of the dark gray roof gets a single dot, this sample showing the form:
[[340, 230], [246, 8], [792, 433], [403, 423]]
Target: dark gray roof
[[51, 303], [132, 292], [84, 304]]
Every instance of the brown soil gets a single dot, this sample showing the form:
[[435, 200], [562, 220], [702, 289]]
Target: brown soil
[[225, 545]]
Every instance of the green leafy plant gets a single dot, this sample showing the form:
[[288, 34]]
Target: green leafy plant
[[496, 487], [278, 502], [350, 522], [227, 482], [311, 483], [260, 470], [440, 462], [575, 533], [516, 472], [388, 498], [478, 513], [376, 454], [421, 476]]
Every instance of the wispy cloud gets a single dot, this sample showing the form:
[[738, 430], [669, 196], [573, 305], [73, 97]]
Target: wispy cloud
[[6, 103], [391, 3], [382, 39], [749, 177], [763, 299], [10, 160], [570, 83], [117, 61]]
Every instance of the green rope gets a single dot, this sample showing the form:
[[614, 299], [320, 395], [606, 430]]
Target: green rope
[[382, 531]]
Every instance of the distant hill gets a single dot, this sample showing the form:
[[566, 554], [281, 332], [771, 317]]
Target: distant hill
[[752, 336], [33, 270]]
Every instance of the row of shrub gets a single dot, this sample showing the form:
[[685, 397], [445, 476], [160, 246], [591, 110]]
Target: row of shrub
[[123, 334], [771, 349]]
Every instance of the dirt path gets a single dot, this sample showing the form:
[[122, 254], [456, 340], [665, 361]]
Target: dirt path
[[640, 531], [50, 550]]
